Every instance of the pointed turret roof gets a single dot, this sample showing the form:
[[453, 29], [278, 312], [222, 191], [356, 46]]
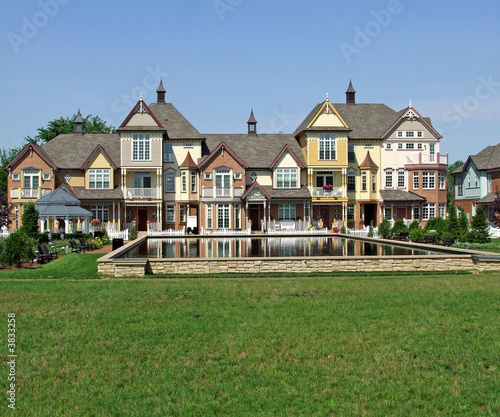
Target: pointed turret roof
[[160, 88], [350, 89], [252, 118], [188, 162], [368, 162], [78, 118]]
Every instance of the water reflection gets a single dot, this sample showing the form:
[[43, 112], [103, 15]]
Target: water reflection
[[281, 247]]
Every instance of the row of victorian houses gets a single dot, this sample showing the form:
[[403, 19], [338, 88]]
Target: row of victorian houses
[[347, 163]]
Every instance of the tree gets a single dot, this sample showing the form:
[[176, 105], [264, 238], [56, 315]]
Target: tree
[[17, 248], [91, 124], [384, 229], [30, 220], [463, 227], [452, 227], [5, 157], [480, 229], [450, 181]]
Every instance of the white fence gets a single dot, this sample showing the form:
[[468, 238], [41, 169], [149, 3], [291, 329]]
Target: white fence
[[225, 232], [4, 233], [323, 231], [494, 232], [117, 234], [168, 232], [362, 232]]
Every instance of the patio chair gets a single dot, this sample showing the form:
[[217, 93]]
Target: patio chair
[[45, 251], [75, 247], [84, 244]]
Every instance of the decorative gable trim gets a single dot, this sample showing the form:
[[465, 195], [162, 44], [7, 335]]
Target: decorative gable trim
[[31, 147], [140, 107], [252, 187], [411, 114], [98, 149], [327, 107], [222, 148], [68, 188], [287, 148]]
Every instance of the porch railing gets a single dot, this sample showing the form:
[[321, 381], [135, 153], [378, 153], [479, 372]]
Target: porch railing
[[141, 193], [168, 232], [325, 192]]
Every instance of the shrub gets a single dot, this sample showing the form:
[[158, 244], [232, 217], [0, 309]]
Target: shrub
[[438, 224], [415, 224], [463, 227], [17, 248], [480, 232], [452, 228], [96, 243], [343, 229], [132, 234], [399, 226], [417, 235], [384, 229], [370, 230], [30, 220]]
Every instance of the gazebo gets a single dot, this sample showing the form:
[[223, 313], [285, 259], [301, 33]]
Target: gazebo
[[61, 205]]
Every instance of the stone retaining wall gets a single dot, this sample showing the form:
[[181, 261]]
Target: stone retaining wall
[[445, 262]]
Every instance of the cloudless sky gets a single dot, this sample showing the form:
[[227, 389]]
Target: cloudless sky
[[221, 58]]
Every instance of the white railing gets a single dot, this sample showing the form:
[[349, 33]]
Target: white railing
[[494, 232], [168, 232], [141, 193], [115, 234], [223, 191], [238, 192], [208, 192], [14, 193], [322, 192], [362, 232], [226, 232], [29, 192], [4, 233], [323, 231]]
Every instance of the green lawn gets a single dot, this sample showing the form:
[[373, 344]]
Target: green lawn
[[321, 347]]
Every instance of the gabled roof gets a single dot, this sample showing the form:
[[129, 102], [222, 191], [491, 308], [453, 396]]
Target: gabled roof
[[174, 122], [400, 195], [368, 162], [60, 196], [188, 162], [32, 147], [256, 151], [486, 160], [318, 110], [221, 148], [101, 150], [72, 151], [255, 185], [143, 107], [365, 120], [411, 113], [287, 148]]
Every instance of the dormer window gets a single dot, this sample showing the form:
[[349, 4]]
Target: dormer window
[[98, 178]]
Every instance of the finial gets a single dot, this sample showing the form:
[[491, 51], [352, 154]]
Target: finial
[[327, 96], [410, 104], [140, 97]]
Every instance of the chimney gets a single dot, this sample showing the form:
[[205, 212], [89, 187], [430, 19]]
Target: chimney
[[78, 124], [350, 94], [160, 93], [252, 124]]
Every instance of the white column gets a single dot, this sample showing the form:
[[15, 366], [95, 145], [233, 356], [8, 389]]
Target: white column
[[66, 225]]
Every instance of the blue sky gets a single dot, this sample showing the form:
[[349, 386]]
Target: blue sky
[[221, 58]]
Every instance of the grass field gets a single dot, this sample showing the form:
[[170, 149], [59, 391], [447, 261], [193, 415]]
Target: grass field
[[320, 347]]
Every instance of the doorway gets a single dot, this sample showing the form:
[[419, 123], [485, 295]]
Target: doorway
[[142, 217], [254, 216]]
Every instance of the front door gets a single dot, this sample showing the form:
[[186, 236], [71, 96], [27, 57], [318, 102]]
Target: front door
[[324, 216], [254, 215], [143, 219], [401, 213]]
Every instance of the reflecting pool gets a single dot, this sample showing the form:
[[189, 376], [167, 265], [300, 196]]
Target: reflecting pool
[[264, 247]]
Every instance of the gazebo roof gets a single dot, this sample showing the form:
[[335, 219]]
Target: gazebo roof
[[60, 203]]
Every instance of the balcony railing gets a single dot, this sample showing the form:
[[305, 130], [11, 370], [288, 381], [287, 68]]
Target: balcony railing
[[427, 159], [327, 193], [222, 192], [29, 192], [141, 193]]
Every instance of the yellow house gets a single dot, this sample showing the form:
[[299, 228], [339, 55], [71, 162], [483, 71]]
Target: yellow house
[[323, 137]]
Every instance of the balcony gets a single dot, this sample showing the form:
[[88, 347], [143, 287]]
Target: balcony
[[421, 159], [141, 193], [29, 192], [222, 192], [327, 193]]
